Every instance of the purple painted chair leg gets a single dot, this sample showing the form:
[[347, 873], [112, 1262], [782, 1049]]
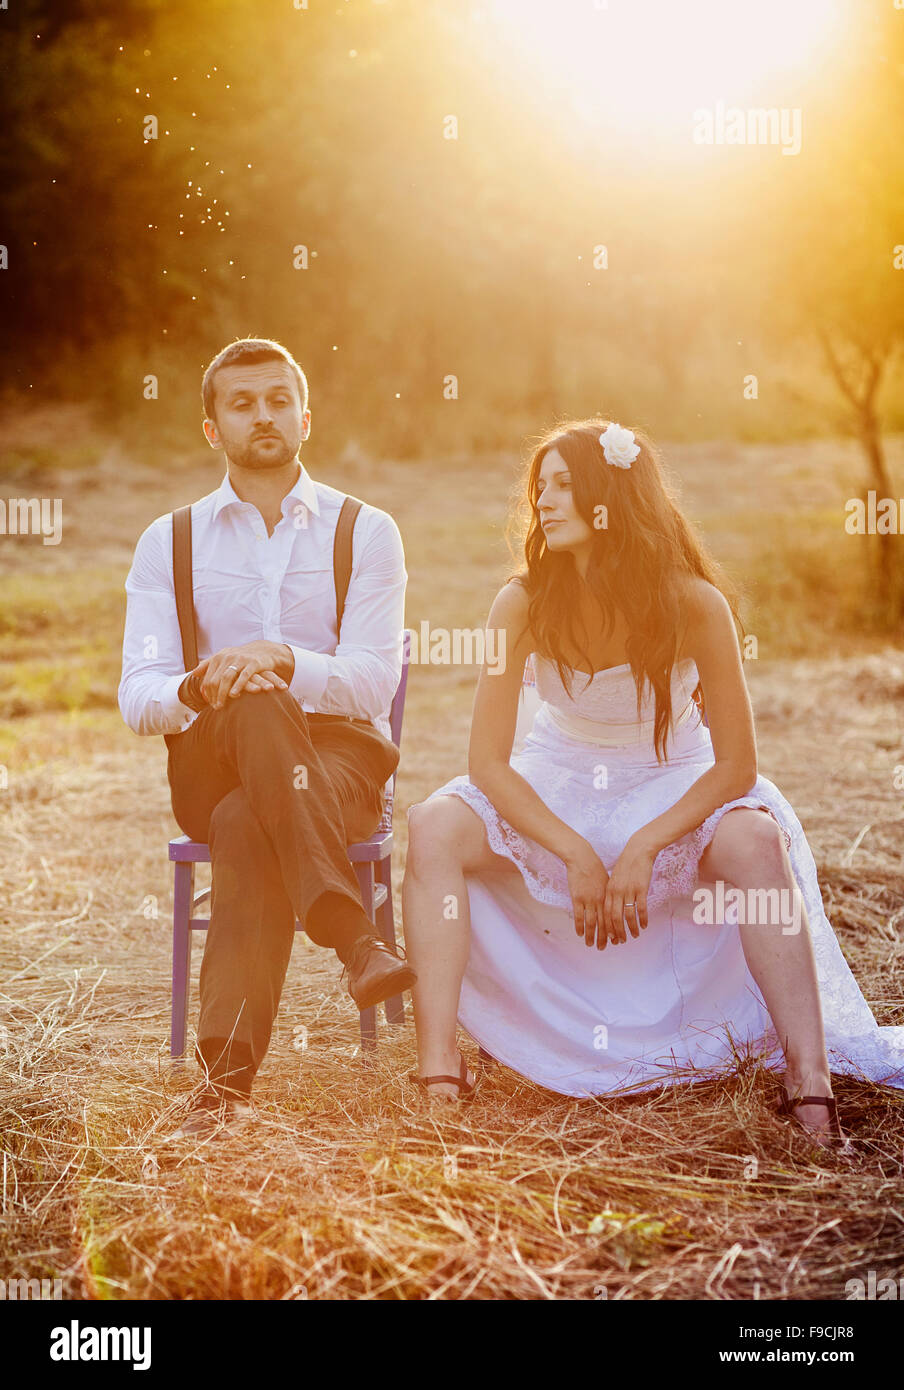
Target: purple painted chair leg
[[395, 1006], [182, 905], [365, 873]]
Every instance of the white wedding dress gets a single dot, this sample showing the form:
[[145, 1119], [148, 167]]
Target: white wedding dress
[[678, 1002]]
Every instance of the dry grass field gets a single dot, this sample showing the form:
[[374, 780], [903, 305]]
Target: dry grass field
[[350, 1185]]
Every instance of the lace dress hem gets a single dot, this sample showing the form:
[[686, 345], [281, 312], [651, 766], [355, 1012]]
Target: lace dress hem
[[675, 869]]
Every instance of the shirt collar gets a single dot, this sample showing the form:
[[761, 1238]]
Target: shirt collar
[[302, 490]]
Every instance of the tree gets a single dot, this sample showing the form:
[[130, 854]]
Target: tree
[[840, 260]]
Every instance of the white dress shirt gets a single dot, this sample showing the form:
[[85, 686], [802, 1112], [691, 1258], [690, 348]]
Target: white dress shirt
[[249, 586]]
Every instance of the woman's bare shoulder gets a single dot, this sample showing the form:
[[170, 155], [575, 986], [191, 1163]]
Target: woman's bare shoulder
[[707, 616], [511, 603], [509, 615]]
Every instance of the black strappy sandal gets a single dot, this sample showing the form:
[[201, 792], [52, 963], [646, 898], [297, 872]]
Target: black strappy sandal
[[466, 1088], [841, 1141]]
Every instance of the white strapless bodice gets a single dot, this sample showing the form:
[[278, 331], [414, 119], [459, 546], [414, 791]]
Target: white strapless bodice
[[603, 708]]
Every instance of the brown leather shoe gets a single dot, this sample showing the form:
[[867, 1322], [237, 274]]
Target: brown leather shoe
[[376, 972], [213, 1116]]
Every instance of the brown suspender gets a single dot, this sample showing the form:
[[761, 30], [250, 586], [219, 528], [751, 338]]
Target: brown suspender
[[182, 582], [182, 572], [342, 555]]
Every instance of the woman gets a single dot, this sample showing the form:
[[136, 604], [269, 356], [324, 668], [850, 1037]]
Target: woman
[[622, 826]]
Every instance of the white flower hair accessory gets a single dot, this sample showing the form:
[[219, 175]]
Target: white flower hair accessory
[[619, 446]]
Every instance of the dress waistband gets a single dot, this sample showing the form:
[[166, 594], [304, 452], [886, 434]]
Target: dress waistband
[[610, 735]]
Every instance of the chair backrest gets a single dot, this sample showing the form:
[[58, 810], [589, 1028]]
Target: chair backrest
[[398, 700], [397, 709]]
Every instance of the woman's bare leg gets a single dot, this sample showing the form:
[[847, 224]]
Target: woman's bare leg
[[446, 840], [747, 850]]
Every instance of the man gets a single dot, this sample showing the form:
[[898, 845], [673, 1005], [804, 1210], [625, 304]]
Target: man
[[278, 747]]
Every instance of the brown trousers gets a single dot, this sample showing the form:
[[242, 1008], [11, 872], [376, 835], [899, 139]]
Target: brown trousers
[[278, 795]]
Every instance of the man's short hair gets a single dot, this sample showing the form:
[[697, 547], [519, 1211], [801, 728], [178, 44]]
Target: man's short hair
[[251, 351]]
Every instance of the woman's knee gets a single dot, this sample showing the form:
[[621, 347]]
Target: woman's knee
[[441, 828], [746, 842]]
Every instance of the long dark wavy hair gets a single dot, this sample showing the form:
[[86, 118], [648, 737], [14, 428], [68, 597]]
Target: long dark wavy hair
[[639, 563]]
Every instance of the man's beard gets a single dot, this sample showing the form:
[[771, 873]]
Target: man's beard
[[251, 456]]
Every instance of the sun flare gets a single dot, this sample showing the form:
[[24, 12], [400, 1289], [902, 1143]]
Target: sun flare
[[650, 61]]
